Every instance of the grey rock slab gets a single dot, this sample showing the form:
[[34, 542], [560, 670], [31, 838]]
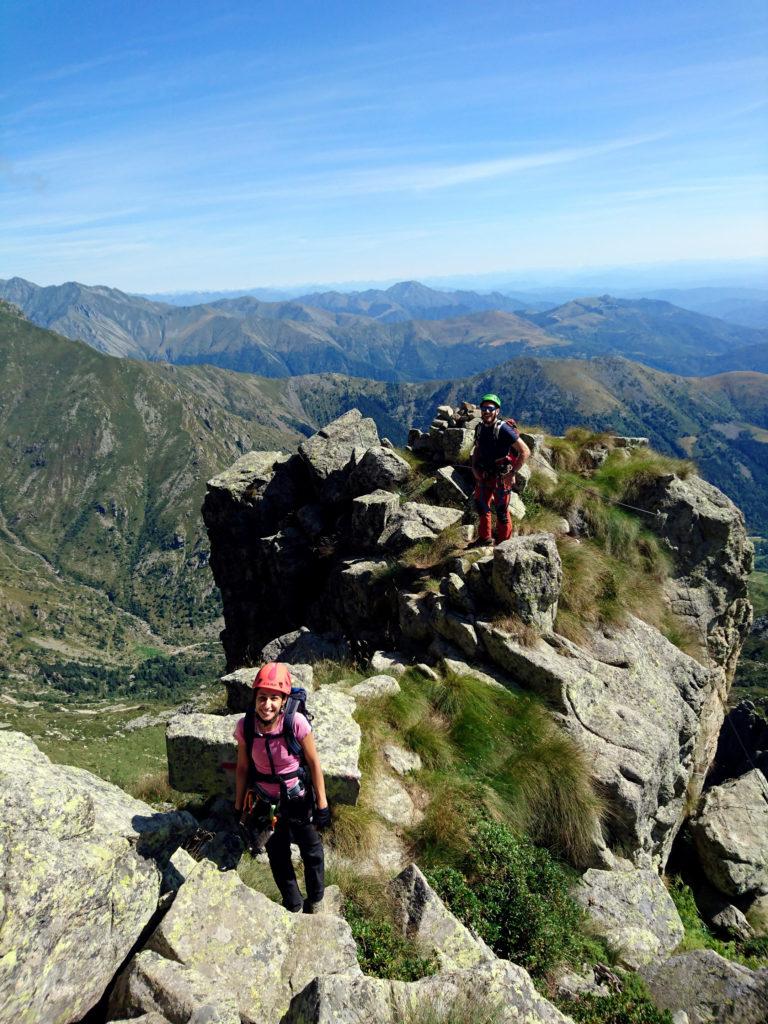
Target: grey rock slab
[[389, 662], [330, 453], [527, 577], [200, 747], [370, 515], [453, 486], [516, 507], [81, 865], [709, 988], [243, 943], [757, 915], [302, 646], [375, 686], [414, 522], [415, 615], [633, 702], [249, 473], [463, 668], [733, 923], [731, 835], [379, 469], [498, 991], [459, 596], [153, 984], [457, 629], [355, 594], [422, 916], [633, 912], [239, 684], [401, 760], [392, 801]]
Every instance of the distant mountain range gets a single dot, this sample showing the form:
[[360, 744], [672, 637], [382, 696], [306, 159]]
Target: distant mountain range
[[103, 461], [405, 333]]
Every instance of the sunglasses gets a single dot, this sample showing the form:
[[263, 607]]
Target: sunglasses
[[487, 408]]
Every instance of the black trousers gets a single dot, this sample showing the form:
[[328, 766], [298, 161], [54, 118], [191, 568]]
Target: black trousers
[[298, 828]]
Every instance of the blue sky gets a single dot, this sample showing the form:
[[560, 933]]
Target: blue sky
[[161, 146]]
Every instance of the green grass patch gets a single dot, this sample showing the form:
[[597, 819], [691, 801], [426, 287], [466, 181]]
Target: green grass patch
[[752, 953]]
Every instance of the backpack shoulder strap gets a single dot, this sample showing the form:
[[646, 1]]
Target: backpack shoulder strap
[[296, 702], [249, 732]]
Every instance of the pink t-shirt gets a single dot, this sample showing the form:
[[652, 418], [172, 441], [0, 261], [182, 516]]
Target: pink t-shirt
[[283, 759]]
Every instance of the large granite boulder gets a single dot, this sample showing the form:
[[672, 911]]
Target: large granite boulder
[[202, 752], [413, 522], [633, 912], [242, 944], [175, 992], [498, 991], [731, 835], [370, 514], [527, 577], [81, 869], [379, 469], [632, 701], [423, 917], [454, 485], [709, 988], [330, 455], [305, 647]]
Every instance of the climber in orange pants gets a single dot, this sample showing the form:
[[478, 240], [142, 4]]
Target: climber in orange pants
[[498, 454]]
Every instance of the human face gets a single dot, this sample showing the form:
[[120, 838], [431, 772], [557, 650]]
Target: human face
[[269, 704], [488, 412]]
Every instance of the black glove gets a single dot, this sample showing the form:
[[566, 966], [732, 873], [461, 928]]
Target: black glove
[[322, 817]]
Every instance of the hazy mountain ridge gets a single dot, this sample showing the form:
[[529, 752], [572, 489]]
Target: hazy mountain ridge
[[278, 339]]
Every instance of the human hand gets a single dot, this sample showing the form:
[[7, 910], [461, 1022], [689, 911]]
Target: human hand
[[322, 817]]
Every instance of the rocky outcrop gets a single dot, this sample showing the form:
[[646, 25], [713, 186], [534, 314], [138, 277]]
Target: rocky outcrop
[[202, 752], [709, 988], [423, 917], [499, 991], [632, 701], [527, 577], [633, 912], [226, 944], [731, 835], [82, 866]]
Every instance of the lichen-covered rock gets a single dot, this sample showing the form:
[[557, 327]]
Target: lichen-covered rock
[[499, 991], [389, 662], [401, 760], [246, 945], [709, 988], [239, 684], [731, 835], [415, 615], [423, 917], [459, 596], [457, 629], [81, 865], [379, 469], [304, 647], [527, 577], [757, 915], [632, 701], [356, 595], [375, 686], [202, 752], [413, 522], [328, 454], [370, 514], [453, 486], [633, 912], [152, 983], [732, 923], [392, 801]]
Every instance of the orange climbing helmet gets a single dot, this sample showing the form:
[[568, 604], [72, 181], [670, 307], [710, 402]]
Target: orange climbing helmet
[[273, 676]]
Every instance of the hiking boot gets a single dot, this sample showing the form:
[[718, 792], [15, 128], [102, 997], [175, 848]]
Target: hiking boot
[[313, 908]]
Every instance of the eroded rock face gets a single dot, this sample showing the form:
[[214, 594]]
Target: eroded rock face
[[632, 701], [527, 577], [423, 917], [709, 988], [633, 912], [242, 945], [81, 873], [413, 522], [502, 991], [330, 454], [731, 835]]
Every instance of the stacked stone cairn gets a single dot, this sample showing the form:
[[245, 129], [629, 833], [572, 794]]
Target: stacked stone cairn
[[312, 553]]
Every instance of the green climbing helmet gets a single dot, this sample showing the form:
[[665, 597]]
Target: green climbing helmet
[[491, 398]]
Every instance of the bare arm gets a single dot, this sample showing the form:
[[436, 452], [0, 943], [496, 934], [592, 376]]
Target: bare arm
[[522, 451], [241, 775], [313, 761]]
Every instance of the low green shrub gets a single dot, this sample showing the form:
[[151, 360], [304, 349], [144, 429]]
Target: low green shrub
[[381, 951], [632, 1005], [516, 897]]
